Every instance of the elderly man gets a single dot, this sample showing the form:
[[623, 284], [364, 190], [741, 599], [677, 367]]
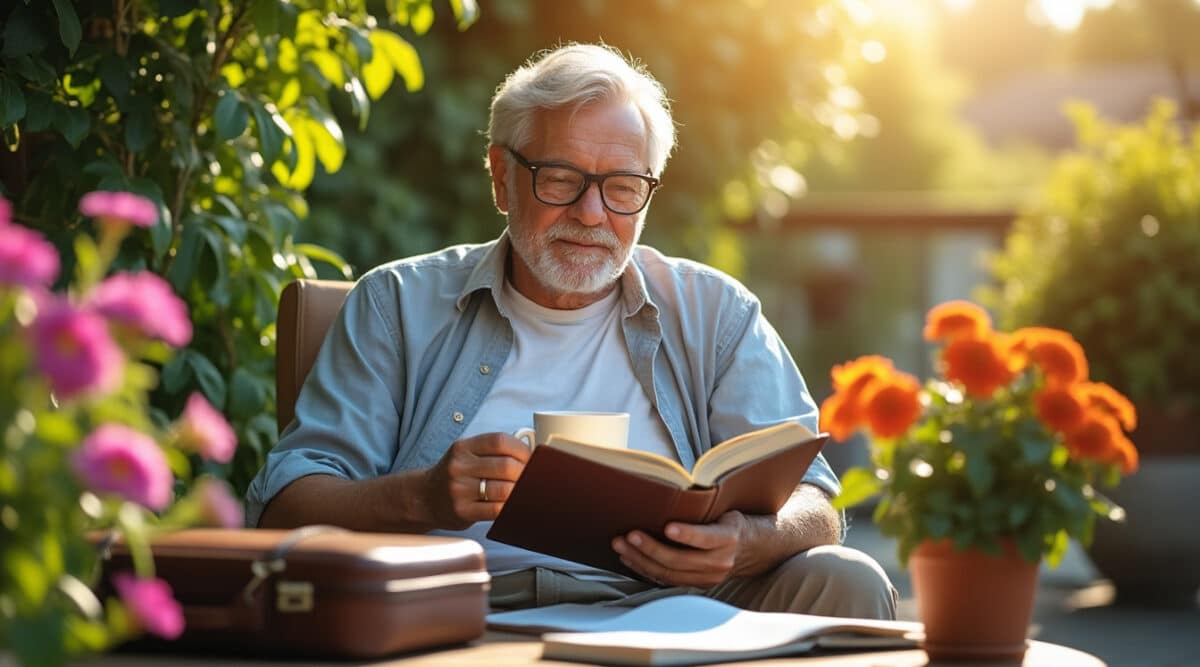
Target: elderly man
[[436, 360]]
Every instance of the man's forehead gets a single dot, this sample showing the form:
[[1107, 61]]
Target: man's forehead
[[601, 130]]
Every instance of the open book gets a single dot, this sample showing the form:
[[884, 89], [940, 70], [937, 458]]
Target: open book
[[691, 630], [574, 498]]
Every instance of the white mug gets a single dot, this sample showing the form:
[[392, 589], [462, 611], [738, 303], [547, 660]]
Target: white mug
[[606, 429]]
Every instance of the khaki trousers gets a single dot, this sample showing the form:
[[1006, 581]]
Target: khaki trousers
[[827, 581]]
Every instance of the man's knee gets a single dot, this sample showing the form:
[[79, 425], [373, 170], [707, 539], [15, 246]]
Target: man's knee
[[834, 580]]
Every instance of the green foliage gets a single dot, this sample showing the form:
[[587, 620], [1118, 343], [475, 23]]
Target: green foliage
[[737, 74], [222, 112], [1108, 252]]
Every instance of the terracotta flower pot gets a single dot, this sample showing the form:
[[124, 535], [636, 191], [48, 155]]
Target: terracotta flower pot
[[974, 606]]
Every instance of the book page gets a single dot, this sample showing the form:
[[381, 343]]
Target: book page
[[743, 449], [659, 632], [631, 460]]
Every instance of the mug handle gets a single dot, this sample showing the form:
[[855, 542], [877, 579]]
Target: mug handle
[[528, 435]]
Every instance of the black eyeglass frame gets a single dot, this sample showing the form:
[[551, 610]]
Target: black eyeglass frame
[[588, 179]]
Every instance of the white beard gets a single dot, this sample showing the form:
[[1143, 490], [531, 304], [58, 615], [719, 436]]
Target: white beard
[[564, 270]]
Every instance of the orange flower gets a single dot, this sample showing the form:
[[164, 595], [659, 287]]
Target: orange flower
[[1055, 351], [1127, 456], [956, 319], [980, 365], [842, 413], [846, 375], [892, 405], [1097, 437], [1111, 401], [1061, 408]]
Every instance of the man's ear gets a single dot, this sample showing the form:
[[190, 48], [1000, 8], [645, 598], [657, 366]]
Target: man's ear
[[499, 168]]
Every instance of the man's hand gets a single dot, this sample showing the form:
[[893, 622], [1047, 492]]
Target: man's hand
[[711, 560], [737, 545], [473, 479]]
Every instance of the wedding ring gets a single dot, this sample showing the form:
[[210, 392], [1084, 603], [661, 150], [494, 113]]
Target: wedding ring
[[482, 490]]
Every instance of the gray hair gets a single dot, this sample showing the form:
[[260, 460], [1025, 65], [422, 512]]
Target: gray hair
[[576, 75]]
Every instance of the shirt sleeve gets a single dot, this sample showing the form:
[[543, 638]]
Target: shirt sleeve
[[758, 385], [347, 414]]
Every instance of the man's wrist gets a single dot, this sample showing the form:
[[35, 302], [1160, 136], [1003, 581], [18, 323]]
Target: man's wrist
[[407, 508]]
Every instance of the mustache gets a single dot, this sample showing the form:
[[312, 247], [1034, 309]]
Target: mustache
[[585, 235]]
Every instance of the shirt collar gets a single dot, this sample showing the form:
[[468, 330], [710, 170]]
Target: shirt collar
[[490, 272]]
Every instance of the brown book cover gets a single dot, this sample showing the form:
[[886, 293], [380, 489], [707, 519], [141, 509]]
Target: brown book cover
[[569, 505]]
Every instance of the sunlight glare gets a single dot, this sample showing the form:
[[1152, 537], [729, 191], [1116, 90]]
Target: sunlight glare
[[874, 51], [960, 6], [1064, 15]]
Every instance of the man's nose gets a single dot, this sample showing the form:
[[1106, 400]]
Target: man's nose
[[589, 208]]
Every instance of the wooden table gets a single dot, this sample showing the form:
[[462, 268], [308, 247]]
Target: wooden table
[[502, 649]]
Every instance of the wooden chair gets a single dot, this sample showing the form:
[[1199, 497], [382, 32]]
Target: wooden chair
[[306, 309]]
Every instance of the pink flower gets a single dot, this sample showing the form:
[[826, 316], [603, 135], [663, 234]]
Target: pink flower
[[73, 348], [152, 604], [117, 459], [119, 207], [204, 430], [145, 302], [218, 507], [25, 257]]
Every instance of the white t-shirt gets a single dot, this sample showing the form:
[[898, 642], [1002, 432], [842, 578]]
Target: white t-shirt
[[562, 360]]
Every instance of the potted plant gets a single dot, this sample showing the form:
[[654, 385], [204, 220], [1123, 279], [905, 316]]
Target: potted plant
[[79, 449], [1108, 252], [984, 471]]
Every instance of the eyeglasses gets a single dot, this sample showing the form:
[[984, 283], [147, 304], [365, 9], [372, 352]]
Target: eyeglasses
[[557, 184]]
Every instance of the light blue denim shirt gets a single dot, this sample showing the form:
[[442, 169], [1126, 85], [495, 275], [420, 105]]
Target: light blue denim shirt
[[419, 342]]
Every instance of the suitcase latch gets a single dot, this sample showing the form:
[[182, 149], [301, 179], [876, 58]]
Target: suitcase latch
[[293, 597]]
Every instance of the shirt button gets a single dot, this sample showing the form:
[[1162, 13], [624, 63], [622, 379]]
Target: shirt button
[[458, 417], [484, 369]]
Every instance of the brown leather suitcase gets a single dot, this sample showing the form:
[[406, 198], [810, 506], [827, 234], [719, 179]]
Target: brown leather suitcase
[[318, 590]]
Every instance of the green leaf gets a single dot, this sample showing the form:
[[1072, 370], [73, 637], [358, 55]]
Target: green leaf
[[35, 69], [360, 40], [25, 570], [73, 122], [247, 396], [39, 111], [270, 136], [215, 274], [980, 472], [858, 484], [57, 429], [209, 378], [187, 258], [175, 8], [114, 73], [12, 101], [421, 19], [328, 141], [937, 525], [333, 259], [1035, 450], [68, 25], [139, 124], [22, 36], [402, 56], [1018, 512], [283, 220], [359, 102], [177, 372], [465, 12], [234, 227]]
